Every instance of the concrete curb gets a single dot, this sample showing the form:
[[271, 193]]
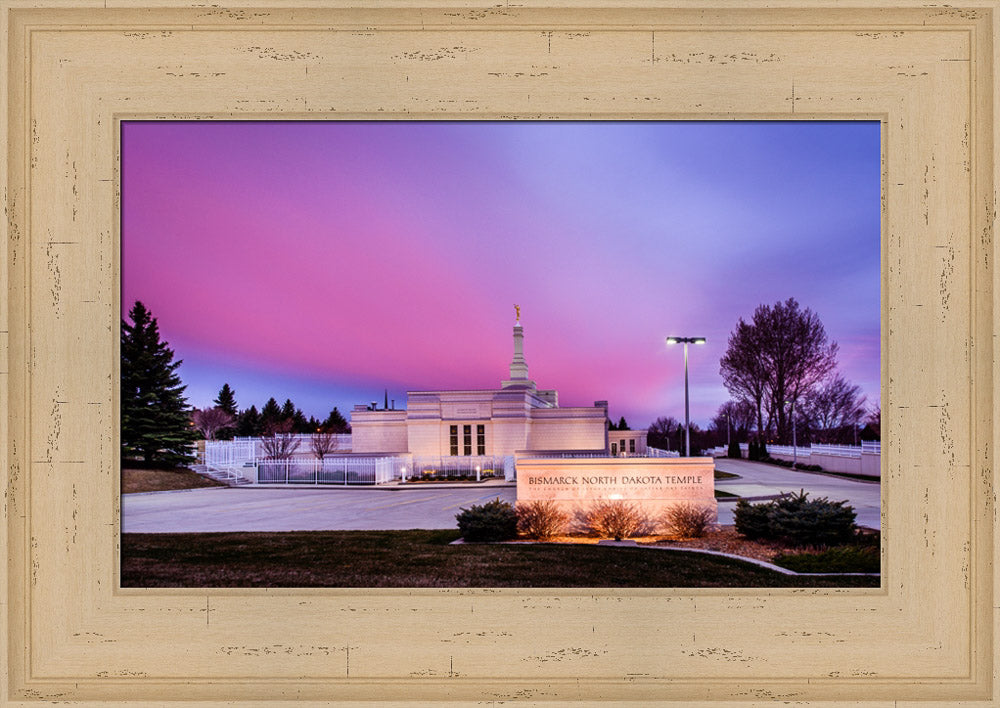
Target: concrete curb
[[384, 487], [822, 473], [173, 491], [633, 544]]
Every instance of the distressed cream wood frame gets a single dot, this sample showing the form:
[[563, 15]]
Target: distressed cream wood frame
[[73, 69]]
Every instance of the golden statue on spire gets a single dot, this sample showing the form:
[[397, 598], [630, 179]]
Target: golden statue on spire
[[517, 312]]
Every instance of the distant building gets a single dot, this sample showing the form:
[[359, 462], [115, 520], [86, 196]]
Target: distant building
[[517, 418], [626, 443]]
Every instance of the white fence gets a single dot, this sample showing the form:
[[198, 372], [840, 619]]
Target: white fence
[[864, 459], [657, 452], [240, 451], [332, 470]]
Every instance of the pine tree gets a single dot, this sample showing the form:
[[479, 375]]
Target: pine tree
[[226, 400], [248, 424], [336, 423], [622, 425], [270, 414], [156, 418], [299, 422]]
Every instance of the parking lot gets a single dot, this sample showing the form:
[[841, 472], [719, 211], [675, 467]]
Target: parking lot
[[424, 507]]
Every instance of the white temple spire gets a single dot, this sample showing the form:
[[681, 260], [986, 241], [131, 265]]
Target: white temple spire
[[518, 365]]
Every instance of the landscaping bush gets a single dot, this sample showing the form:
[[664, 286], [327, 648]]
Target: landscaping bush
[[812, 522], [841, 559], [493, 521], [616, 519], [541, 519], [757, 451], [734, 451], [688, 520], [753, 520], [797, 520]]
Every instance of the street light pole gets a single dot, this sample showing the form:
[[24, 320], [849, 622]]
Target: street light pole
[[795, 448], [687, 413]]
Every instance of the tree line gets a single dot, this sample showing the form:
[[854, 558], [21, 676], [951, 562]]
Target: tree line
[[158, 426], [225, 421]]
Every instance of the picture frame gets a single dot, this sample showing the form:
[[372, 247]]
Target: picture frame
[[73, 70]]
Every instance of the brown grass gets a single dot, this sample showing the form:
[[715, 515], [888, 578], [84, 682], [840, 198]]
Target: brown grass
[[424, 559], [161, 480]]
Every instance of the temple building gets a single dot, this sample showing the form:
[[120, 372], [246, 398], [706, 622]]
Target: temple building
[[517, 418]]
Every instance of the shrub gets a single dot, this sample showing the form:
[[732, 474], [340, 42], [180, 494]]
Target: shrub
[[842, 559], [689, 521], [493, 521], [812, 522], [734, 451], [541, 519], [757, 451], [753, 520], [798, 520], [616, 519]]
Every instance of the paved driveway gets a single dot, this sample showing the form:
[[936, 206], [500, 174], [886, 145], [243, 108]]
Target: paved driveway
[[365, 508], [760, 480], [310, 509]]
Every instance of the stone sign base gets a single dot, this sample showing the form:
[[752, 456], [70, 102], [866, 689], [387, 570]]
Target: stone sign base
[[653, 485]]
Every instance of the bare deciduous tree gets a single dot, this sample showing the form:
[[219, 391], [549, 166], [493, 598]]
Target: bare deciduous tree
[[324, 443], [209, 421], [278, 442], [743, 371], [780, 356], [661, 430], [833, 409]]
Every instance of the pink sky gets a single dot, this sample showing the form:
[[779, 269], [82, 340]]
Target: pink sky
[[326, 262]]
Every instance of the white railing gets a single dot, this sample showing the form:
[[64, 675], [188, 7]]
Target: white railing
[[837, 450], [871, 446], [240, 451], [332, 470], [226, 453], [657, 452], [788, 450]]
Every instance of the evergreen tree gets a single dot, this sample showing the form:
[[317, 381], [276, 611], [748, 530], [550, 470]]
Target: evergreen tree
[[622, 425], [156, 418], [288, 410], [226, 400], [270, 414], [336, 423], [299, 422], [248, 424]]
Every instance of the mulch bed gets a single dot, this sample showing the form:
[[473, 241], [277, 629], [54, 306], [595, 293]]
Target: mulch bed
[[724, 539]]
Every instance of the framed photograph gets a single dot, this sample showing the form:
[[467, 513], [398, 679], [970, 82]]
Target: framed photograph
[[73, 74]]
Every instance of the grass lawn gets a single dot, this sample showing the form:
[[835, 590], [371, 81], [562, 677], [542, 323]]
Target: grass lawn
[[719, 494], [719, 474], [424, 559], [161, 480]]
